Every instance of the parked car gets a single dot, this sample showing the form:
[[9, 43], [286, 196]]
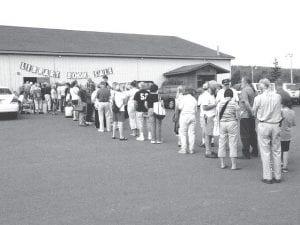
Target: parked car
[[292, 90], [257, 87], [8, 102]]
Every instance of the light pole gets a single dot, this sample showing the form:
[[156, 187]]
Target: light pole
[[290, 55], [252, 73]]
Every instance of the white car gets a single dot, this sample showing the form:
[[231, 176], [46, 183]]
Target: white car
[[292, 90], [8, 102]]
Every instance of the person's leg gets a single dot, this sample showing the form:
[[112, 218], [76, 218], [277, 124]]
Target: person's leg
[[245, 136], [253, 137], [191, 134], [233, 142], [114, 128], [96, 118], [183, 126], [158, 128], [36, 105], [132, 118], [222, 144], [276, 151], [121, 130], [264, 142], [152, 123], [285, 146], [107, 116], [101, 116], [140, 121]]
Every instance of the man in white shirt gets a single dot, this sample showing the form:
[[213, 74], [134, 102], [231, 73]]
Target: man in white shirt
[[201, 98], [267, 108], [187, 121], [226, 85]]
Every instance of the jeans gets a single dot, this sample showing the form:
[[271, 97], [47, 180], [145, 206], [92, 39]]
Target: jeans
[[104, 109], [248, 136], [89, 112], [155, 126], [61, 103], [48, 101], [270, 149], [38, 105], [141, 119], [187, 124]]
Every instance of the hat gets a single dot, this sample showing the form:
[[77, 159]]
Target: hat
[[226, 81], [205, 86]]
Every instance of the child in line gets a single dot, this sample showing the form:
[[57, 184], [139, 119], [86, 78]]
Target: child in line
[[286, 131]]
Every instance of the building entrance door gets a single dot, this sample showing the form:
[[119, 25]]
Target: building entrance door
[[37, 79], [30, 79]]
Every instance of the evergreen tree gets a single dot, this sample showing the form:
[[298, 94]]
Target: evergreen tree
[[276, 71]]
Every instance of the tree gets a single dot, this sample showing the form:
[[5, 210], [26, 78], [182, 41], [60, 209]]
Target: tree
[[236, 77], [276, 71]]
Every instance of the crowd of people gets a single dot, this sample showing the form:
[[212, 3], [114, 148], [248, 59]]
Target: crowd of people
[[262, 121]]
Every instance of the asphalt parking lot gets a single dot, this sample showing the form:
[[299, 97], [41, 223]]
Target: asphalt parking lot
[[56, 173]]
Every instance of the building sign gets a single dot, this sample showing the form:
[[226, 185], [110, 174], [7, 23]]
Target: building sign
[[77, 75], [70, 75], [100, 73], [39, 70]]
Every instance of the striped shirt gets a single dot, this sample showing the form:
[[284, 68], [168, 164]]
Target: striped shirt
[[230, 113], [267, 107]]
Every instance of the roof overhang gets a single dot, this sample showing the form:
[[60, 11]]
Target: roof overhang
[[191, 68]]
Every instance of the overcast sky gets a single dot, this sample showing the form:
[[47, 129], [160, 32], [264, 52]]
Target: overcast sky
[[253, 31]]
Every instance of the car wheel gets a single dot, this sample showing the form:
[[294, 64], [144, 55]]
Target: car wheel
[[171, 104]]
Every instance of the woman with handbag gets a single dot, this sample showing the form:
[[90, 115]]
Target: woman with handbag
[[74, 91], [119, 100], [155, 117], [228, 114]]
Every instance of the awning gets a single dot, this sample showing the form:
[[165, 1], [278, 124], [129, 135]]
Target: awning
[[195, 67]]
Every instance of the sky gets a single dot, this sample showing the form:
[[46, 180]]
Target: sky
[[255, 32]]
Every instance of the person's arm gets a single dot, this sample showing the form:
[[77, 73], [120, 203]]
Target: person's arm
[[209, 107], [238, 112], [255, 106]]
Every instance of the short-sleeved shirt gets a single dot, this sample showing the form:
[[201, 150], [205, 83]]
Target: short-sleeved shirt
[[188, 105], [151, 98], [201, 98], [206, 101], [37, 93], [103, 95], [140, 97], [267, 107], [247, 96], [230, 113], [287, 123]]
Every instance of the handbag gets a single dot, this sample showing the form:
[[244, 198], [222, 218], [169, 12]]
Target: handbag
[[158, 109]]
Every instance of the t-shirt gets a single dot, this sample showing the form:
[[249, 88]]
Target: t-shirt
[[230, 113], [140, 97], [287, 123], [151, 99], [247, 96], [120, 98], [74, 93], [201, 98], [188, 105], [103, 95], [206, 101], [37, 93]]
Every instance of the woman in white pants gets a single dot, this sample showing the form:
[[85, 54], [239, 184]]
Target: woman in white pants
[[187, 122], [131, 108]]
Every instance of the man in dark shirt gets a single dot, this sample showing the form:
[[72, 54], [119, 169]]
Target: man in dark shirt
[[141, 110]]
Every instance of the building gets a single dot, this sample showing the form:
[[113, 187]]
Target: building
[[37, 55]]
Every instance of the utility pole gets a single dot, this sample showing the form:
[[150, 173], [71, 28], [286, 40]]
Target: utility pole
[[252, 73], [290, 55]]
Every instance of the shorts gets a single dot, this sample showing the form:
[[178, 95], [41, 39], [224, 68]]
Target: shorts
[[119, 116], [209, 125], [285, 146]]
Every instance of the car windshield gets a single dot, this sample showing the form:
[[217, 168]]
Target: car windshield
[[5, 91], [291, 87]]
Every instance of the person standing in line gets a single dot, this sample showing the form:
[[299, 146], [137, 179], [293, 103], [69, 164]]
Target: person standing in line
[[83, 107], [59, 100], [267, 108], [286, 131], [209, 111], [48, 96], [95, 103], [187, 122], [228, 114], [120, 99], [37, 98], [205, 94], [74, 92], [155, 123], [90, 87], [54, 99], [62, 97], [104, 107], [220, 94], [176, 117], [131, 108], [141, 111], [247, 122]]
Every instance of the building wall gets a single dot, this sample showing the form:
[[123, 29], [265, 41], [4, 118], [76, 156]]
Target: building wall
[[124, 69]]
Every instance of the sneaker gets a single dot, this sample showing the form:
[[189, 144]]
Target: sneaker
[[140, 139], [182, 152], [285, 170], [100, 130], [266, 181], [212, 156], [159, 142], [191, 152], [153, 142], [276, 180]]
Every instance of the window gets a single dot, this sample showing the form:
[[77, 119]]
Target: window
[[5, 91]]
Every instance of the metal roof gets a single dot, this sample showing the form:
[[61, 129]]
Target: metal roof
[[41, 41], [191, 68]]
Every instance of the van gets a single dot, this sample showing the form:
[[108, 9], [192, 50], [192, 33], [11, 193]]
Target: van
[[293, 90]]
